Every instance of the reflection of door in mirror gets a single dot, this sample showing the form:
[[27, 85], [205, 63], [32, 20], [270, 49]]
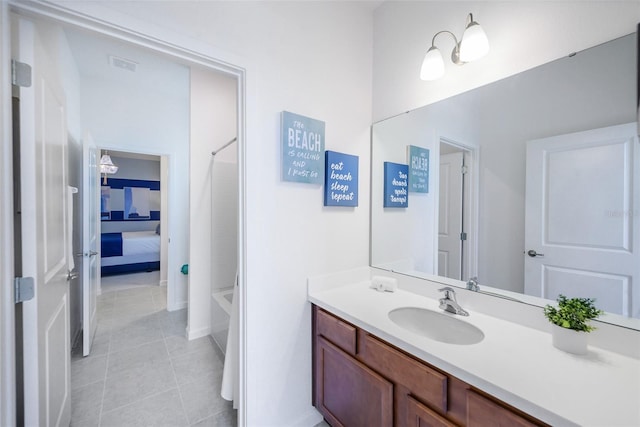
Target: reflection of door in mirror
[[454, 212], [581, 212]]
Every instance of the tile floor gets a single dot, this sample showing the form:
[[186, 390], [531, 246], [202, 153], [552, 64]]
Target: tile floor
[[142, 371]]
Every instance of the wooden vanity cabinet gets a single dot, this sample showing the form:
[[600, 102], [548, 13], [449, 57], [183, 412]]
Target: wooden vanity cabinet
[[344, 384], [481, 408], [419, 415], [361, 380]]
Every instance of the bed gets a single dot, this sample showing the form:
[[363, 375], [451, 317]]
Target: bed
[[129, 252]]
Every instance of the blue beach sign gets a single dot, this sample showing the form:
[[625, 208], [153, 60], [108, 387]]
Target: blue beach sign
[[418, 169], [302, 149], [396, 177], [341, 179]]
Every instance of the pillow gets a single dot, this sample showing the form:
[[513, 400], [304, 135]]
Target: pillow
[[158, 229]]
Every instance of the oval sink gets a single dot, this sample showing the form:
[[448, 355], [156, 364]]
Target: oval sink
[[437, 326]]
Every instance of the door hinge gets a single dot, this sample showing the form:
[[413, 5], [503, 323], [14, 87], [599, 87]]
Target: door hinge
[[464, 170], [20, 74], [23, 287], [463, 236]]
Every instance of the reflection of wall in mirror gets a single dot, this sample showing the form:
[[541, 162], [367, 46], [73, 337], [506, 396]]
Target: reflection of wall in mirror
[[394, 243], [589, 90]]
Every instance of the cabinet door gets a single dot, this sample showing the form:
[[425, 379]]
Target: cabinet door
[[484, 412], [419, 415], [348, 393], [427, 384]]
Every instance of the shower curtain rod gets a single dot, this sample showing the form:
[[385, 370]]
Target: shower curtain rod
[[213, 153]]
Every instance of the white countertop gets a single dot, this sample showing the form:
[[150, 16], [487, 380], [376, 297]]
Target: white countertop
[[514, 363]]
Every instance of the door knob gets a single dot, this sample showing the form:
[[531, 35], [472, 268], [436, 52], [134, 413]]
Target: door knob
[[71, 275], [89, 254], [533, 253]]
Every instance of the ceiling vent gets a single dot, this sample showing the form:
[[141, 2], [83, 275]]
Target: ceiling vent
[[125, 64]]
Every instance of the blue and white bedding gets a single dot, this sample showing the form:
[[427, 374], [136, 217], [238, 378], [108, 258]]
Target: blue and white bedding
[[130, 251]]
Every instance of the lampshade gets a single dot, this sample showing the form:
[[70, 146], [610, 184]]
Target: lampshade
[[106, 165], [433, 65], [474, 44]]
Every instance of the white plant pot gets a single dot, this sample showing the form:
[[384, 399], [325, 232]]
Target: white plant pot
[[569, 340]]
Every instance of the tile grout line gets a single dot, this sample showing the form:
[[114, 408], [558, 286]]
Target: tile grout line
[[154, 298], [151, 396], [106, 371], [175, 377]]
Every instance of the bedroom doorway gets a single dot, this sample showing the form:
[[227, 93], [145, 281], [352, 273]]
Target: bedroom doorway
[[133, 201]]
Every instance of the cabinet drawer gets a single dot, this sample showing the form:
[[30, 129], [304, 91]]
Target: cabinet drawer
[[482, 411], [336, 330], [428, 385]]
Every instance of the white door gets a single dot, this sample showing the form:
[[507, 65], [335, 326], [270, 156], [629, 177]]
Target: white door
[[582, 218], [450, 215], [45, 249], [90, 242]]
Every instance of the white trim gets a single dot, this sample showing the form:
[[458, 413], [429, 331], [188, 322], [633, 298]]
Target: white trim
[[198, 333], [178, 306], [188, 49], [166, 164], [310, 418], [7, 308], [242, 247]]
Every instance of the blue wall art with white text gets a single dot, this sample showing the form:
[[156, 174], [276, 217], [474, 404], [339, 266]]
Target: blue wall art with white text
[[302, 149], [341, 179], [396, 193], [418, 169]]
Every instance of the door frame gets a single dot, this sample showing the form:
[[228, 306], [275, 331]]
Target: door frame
[[470, 204], [162, 41], [7, 308], [165, 197]]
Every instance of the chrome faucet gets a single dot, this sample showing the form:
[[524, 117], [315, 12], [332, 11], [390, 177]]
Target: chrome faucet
[[449, 303], [473, 284]]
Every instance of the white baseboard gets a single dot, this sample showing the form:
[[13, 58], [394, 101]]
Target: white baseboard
[[198, 333], [309, 419], [177, 306]]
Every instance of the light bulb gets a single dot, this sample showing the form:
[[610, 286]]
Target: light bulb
[[474, 44], [433, 65]]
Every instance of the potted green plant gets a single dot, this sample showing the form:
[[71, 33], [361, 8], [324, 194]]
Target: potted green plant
[[570, 323]]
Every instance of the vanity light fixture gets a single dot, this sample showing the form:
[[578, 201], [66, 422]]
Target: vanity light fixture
[[107, 166], [473, 45]]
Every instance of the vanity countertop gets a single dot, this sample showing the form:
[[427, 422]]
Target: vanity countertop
[[515, 363]]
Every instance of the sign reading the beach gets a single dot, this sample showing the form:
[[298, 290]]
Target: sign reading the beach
[[340, 179], [396, 185], [418, 169], [302, 149]]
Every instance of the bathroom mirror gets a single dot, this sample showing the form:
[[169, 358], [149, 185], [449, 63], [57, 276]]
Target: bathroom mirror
[[485, 133]]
